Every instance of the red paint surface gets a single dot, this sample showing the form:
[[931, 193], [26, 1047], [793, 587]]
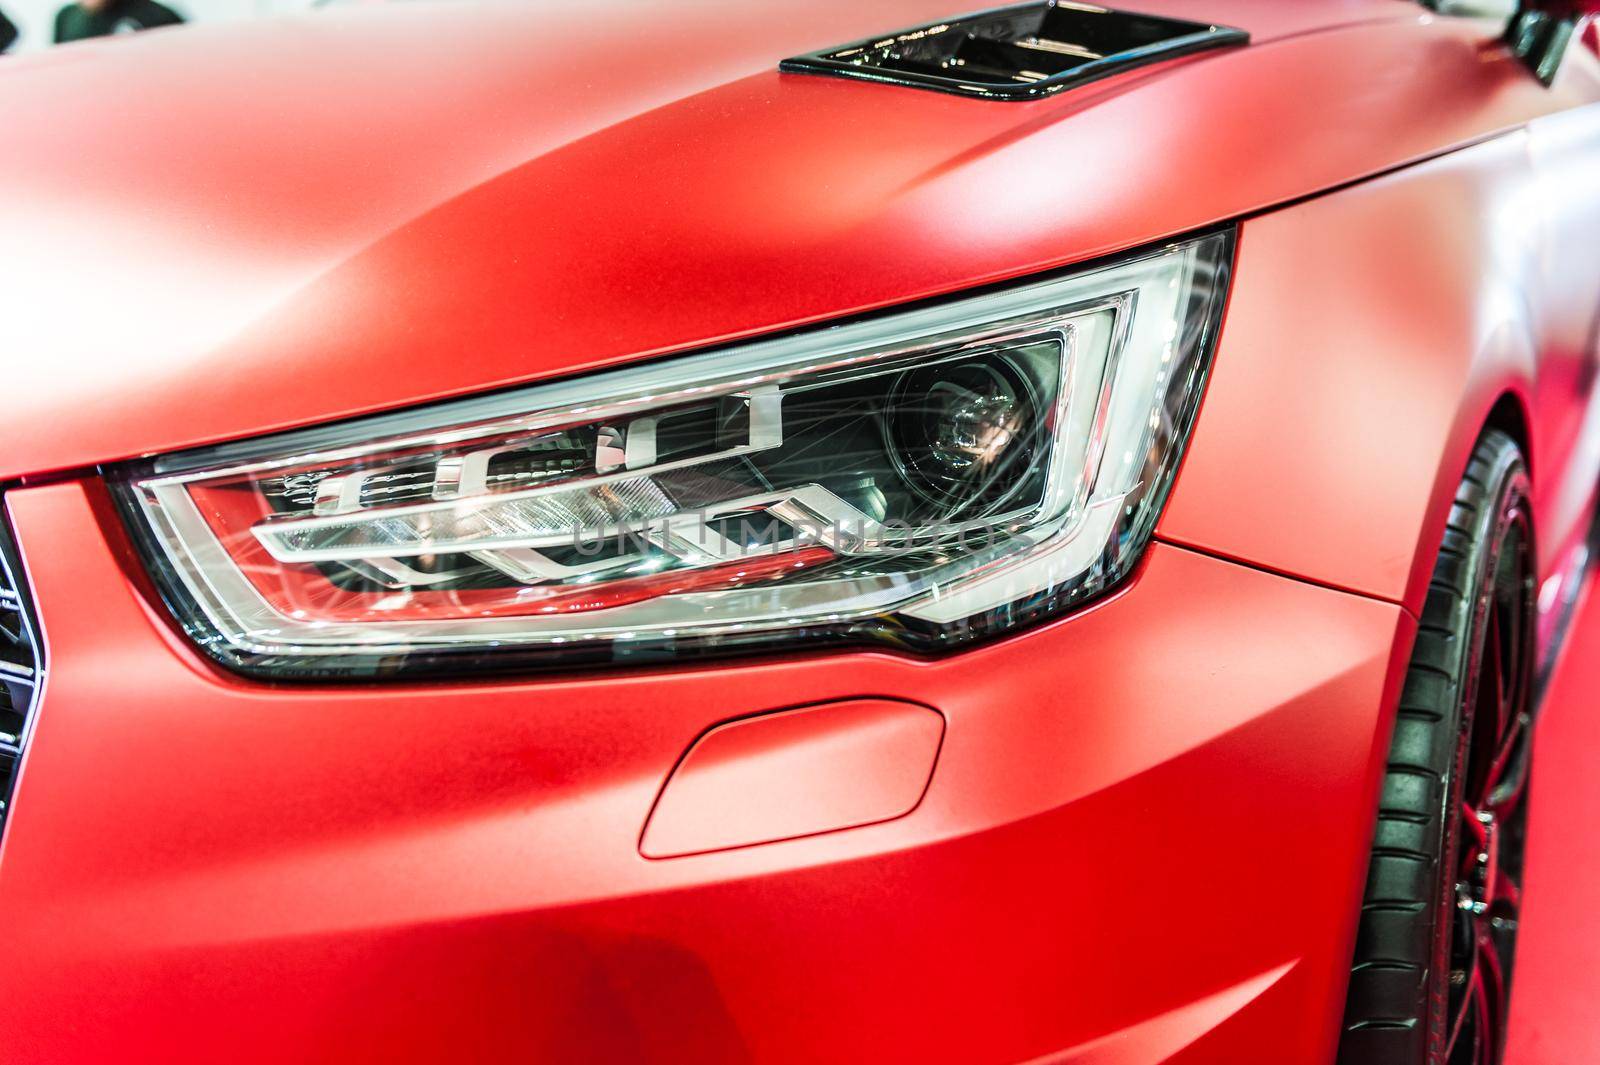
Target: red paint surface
[[321, 233], [1555, 1008], [198, 868], [1171, 790], [1369, 335], [796, 773]]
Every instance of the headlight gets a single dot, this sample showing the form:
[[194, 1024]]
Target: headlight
[[919, 479]]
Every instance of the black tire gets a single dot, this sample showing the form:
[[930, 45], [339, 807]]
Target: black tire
[[1451, 812]]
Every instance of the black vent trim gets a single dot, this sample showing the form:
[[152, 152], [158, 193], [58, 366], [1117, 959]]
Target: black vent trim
[[1018, 53], [21, 669]]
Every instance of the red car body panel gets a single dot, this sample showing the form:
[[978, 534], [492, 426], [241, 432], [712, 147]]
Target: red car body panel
[[1336, 428], [795, 773], [306, 255], [1146, 831], [199, 868]]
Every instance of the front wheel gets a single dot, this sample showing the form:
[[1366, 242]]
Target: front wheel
[[1431, 979]]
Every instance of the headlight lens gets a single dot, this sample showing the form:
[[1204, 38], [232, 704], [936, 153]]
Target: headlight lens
[[919, 479]]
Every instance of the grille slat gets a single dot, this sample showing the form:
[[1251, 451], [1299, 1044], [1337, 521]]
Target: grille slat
[[19, 670]]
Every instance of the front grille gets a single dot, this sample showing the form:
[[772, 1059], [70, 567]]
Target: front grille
[[20, 670]]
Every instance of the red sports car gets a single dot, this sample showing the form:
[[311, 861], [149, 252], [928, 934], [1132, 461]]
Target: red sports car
[[805, 532]]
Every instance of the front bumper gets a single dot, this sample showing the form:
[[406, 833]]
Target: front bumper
[[1144, 840]]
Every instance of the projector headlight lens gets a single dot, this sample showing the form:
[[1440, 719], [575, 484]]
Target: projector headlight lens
[[920, 479], [973, 431]]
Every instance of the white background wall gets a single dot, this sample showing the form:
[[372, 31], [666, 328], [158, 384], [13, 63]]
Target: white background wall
[[35, 18]]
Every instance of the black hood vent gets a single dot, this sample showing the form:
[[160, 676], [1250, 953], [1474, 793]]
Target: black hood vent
[[1018, 53]]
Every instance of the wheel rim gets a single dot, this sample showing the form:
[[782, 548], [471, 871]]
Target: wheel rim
[[1492, 770]]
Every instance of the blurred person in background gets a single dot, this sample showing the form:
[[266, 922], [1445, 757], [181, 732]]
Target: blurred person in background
[[101, 18], [8, 32]]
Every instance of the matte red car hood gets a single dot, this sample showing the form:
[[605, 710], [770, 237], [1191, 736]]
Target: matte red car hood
[[217, 231]]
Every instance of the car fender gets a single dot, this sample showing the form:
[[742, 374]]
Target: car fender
[[1370, 336]]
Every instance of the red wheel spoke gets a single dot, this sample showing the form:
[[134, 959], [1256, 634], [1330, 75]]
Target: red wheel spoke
[[1494, 992], [1468, 998], [1509, 892], [1491, 975], [1512, 718], [1502, 758]]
